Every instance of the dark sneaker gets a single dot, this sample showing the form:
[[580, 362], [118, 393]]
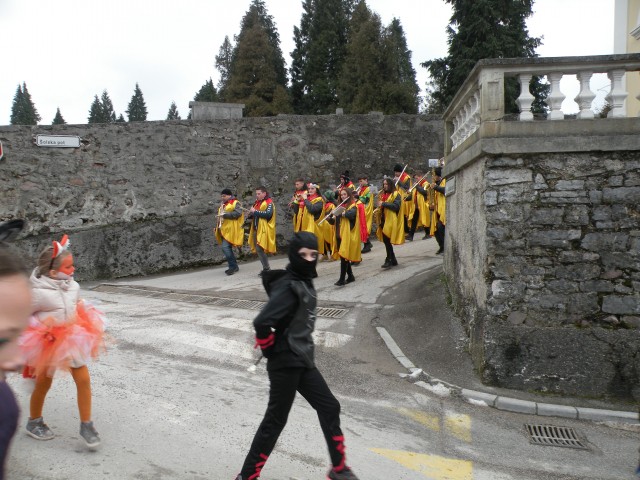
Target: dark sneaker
[[340, 283], [409, 238], [231, 271], [89, 434], [367, 248], [351, 279], [386, 264], [440, 251], [344, 474], [39, 430]]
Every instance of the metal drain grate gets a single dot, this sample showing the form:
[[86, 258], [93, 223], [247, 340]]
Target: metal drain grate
[[335, 313], [551, 435]]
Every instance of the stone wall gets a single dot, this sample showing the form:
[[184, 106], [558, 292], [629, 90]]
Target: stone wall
[[543, 262], [138, 198]]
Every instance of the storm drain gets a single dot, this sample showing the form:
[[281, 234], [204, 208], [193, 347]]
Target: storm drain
[[326, 312], [553, 436]]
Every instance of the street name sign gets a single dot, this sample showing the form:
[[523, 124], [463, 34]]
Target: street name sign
[[68, 141]]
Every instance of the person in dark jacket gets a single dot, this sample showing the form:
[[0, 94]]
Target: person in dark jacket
[[283, 333]]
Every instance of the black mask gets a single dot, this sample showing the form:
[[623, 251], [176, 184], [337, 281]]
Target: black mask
[[298, 265]]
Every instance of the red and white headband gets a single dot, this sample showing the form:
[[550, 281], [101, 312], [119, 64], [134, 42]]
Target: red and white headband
[[61, 246]]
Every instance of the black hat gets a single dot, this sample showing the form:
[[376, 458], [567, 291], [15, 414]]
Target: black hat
[[226, 191], [397, 168], [345, 174], [438, 171]]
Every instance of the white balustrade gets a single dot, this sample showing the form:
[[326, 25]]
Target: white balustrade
[[479, 99]]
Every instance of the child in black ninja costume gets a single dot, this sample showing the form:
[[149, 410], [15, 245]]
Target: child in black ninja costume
[[283, 332]]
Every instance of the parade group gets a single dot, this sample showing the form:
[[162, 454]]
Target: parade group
[[342, 218]]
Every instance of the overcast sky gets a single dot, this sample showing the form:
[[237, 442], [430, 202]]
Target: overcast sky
[[67, 51]]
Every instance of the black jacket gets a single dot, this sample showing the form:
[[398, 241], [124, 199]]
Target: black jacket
[[290, 314]]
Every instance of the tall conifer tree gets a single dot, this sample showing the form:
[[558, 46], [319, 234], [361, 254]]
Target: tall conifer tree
[[173, 112], [254, 79], [58, 119], [23, 111], [360, 85], [223, 64], [137, 109], [400, 89], [207, 93], [108, 112], [319, 53], [482, 29]]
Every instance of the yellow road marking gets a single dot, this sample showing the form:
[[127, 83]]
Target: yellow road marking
[[432, 422], [459, 426], [431, 466]]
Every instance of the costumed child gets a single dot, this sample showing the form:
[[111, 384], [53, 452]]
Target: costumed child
[[64, 334]]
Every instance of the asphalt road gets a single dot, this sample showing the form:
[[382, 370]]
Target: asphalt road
[[173, 398]]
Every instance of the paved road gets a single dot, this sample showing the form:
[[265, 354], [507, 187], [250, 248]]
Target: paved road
[[173, 398]]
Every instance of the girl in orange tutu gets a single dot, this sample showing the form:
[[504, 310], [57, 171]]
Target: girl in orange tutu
[[64, 334]]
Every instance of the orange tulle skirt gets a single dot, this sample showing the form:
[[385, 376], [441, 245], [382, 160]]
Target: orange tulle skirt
[[47, 346]]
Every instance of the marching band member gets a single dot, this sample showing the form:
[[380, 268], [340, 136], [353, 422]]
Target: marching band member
[[364, 195], [262, 235], [391, 228], [314, 206], [345, 182], [420, 199], [348, 228], [403, 185], [229, 231], [438, 212], [328, 229], [297, 204]]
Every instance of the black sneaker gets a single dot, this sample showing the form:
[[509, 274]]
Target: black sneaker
[[350, 279], [367, 248], [231, 271], [409, 238], [386, 264], [344, 474], [440, 251], [340, 283]]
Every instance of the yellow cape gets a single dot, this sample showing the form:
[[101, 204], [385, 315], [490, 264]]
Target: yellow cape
[[266, 234]]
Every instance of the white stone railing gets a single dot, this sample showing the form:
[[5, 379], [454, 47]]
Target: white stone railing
[[481, 97]]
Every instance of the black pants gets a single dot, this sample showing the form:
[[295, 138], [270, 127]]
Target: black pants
[[389, 247], [439, 234], [345, 269], [284, 384], [414, 222]]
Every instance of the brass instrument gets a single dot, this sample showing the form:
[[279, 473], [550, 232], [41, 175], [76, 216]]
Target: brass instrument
[[432, 193], [220, 216]]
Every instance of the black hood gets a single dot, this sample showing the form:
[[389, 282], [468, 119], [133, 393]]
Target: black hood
[[300, 267]]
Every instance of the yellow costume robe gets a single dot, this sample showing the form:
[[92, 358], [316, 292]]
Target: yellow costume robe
[[408, 208], [231, 229], [299, 216], [266, 234], [440, 210], [310, 223], [368, 207], [350, 237], [329, 231], [393, 222], [423, 206]]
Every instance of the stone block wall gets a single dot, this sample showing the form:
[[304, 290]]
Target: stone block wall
[[559, 308], [138, 198]]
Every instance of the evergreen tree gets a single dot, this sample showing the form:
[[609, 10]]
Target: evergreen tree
[[483, 29], [223, 64], [101, 110], [207, 93], [107, 108], [23, 111], [58, 120], [254, 79], [137, 109], [120, 119], [400, 89], [318, 57], [173, 112], [96, 112], [257, 15], [360, 85]]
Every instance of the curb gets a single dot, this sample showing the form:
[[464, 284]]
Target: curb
[[499, 402]]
